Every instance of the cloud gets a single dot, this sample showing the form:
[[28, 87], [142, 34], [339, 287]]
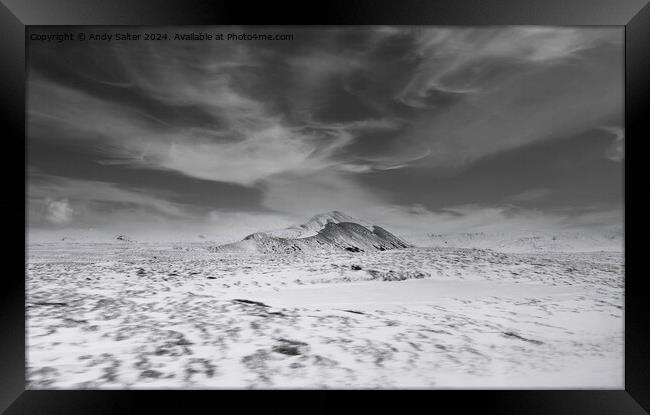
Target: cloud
[[59, 212], [241, 156], [508, 104], [303, 123], [531, 105], [261, 154], [464, 60], [246, 153]]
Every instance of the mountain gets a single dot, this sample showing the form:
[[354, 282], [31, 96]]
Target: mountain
[[327, 232]]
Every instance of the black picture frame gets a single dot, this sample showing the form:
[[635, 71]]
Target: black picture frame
[[16, 15]]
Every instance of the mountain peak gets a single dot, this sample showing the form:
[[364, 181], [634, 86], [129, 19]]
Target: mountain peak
[[335, 216]]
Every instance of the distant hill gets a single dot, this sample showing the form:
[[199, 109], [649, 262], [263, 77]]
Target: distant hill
[[325, 232], [566, 241]]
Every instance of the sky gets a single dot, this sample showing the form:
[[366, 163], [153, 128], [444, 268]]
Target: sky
[[419, 129]]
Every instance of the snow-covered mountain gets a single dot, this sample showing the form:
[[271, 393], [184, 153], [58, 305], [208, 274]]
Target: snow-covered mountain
[[326, 232]]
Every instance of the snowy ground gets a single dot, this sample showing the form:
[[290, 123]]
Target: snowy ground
[[137, 315]]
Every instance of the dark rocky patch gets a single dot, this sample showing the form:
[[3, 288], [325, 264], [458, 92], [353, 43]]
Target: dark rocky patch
[[516, 336], [49, 303], [154, 374], [290, 347]]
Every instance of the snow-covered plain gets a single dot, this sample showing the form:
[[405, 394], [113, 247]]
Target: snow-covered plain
[[144, 315]]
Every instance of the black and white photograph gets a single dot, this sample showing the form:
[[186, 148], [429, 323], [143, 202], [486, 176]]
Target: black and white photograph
[[325, 207]]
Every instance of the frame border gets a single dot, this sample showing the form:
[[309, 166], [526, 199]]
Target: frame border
[[17, 15]]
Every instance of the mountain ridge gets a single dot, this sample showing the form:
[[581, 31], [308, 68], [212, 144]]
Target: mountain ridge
[[326, 232]]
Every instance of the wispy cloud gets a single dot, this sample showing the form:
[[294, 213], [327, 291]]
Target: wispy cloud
[[471, 60]]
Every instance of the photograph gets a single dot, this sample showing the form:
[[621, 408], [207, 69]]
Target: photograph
[[324, 207]]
